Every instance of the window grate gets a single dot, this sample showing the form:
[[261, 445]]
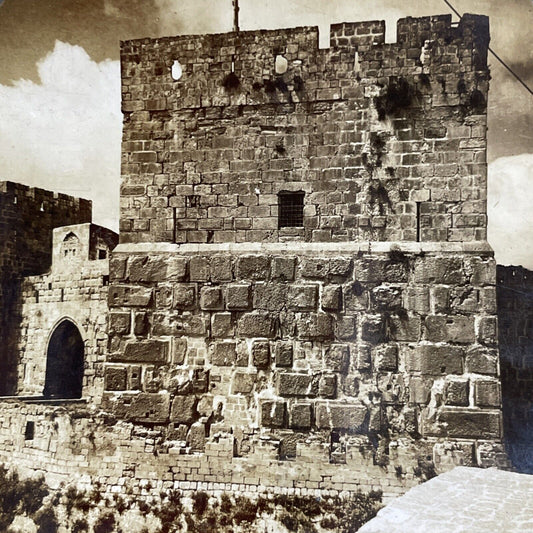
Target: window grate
[[291, 209]]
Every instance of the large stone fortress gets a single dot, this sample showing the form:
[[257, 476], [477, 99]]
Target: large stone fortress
[[302, 298]]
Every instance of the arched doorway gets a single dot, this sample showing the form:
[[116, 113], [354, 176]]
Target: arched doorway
[[64, 362]]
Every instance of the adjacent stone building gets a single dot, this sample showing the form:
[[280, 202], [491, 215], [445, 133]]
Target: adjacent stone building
[[303, 298]]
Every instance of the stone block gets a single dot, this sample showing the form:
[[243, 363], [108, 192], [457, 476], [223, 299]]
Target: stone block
[[176, 268], [339, 268], [199, 268], [434, 359], [223, 353], [147, 269], [337, 358], [332, 297], [459, 329], [196, 437], [385, 298], [141, 323], [261, 354], [465, 424], [140, 407], [300, 416], [487, 330], [145, 351], [481, 360], [283, 268], [457, 392], [340, 416], [270, 296], [482, 271], [303, 297], [163, 297], [380, 270], [183, 409], [327, 386], [444, 270], [363, 358], [253, 267], [184, 296], [404, 328], [221, 325], [419, 390], [295, 384], [314, 326], [273, 414], [314, 268], [243, 382], [221, 268], [416, 300], [119, 323], [129, 296], [179, 350], [355, 297], [386, 358], [238, 297], [372, 329], [115, 378], [211, 298], [284, 354], [256, 324], [345, 327], [439, 299], [487, 393], [134, 377], [117, 268]]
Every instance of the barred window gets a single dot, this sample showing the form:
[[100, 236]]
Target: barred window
[[290, 209]]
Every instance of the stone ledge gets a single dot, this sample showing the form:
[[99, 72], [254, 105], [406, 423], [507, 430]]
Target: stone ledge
[[311, 248]]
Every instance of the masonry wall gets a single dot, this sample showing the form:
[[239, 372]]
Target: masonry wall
[[386, 140], [27, 217], [48, 300], [515, 321]]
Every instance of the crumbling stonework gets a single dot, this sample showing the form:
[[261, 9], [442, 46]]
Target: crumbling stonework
[[303, 299]]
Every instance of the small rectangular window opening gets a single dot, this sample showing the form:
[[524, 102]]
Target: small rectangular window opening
[[290, 209], [102, 254], [105, 280], [29, 432], [192, 200]]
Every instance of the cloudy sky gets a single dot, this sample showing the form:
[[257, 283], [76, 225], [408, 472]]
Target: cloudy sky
[[60, 121]]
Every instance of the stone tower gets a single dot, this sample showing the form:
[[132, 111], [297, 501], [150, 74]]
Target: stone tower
[[303, 269]]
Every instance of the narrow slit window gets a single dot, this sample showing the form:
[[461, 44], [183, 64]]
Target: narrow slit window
[[291, 209], [29, 432], [417, 221]]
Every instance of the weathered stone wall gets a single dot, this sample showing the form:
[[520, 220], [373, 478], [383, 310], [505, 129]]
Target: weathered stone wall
[[27, 217], [386, 140], [334, 344], [515, 321], [74, 289]]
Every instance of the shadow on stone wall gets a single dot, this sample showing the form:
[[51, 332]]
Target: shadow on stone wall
[[515, 323]]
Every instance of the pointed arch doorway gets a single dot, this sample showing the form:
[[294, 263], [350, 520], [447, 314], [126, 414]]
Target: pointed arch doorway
[[64, 362]]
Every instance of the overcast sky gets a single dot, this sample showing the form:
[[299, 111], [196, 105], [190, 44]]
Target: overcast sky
[[60, 124]]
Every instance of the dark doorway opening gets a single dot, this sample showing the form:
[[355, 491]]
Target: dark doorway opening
[[64, 362]]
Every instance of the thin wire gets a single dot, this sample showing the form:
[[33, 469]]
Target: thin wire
[[494, 53]]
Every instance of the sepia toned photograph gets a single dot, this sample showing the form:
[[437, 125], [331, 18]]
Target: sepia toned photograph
[[267, 266]]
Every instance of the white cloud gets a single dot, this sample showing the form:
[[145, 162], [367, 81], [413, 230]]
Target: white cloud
[[64, 133], [510, 202]]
